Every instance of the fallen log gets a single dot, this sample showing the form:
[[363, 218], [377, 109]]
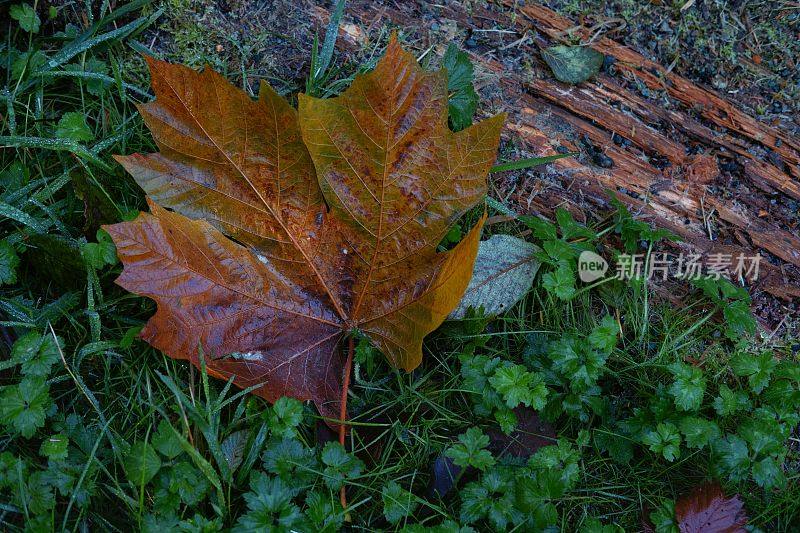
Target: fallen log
[[684, 157]]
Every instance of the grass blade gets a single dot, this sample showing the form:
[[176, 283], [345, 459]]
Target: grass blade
[[331, 34], [11, 212], [58, 145], [528, 163]]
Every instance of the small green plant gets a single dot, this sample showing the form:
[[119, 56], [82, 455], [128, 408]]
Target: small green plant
[[573, 365]]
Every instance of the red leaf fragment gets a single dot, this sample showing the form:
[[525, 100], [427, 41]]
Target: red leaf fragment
[[707, 510]]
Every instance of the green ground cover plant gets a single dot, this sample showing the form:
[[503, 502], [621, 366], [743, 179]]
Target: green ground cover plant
[[584, 407]]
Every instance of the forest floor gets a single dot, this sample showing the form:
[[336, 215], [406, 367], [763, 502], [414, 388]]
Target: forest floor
[[591, 408], [648, 128]]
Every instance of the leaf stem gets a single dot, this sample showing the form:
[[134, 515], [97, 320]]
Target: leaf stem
[[348, 364]]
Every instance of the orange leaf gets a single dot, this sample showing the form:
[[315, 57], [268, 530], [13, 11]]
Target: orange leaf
[[307, 225]]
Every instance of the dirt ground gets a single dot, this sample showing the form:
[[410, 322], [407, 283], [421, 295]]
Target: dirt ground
[[692, 122]]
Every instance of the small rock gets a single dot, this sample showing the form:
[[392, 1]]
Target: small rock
[[471, 43]]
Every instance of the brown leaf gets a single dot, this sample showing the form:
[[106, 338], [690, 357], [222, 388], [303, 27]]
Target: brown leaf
[[530, 434], [97, 207], [266, 279], [707, 510]]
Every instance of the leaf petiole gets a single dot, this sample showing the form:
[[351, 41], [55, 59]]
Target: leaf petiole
[[343, 410]]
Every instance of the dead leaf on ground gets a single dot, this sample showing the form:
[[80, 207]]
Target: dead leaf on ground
[[251, 264], [530, 434], [503, 273], [443, 477], [573, 64], [707, 510]]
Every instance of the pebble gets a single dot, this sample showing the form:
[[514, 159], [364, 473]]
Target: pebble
[[471, 43]]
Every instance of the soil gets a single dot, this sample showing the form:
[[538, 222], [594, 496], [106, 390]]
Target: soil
[[692, 121]]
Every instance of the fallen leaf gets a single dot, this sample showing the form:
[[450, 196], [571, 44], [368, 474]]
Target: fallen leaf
[[573, 64], [503, 273], [530, 434], [97, 207], [707, 510], [308, 225], [443, 476]]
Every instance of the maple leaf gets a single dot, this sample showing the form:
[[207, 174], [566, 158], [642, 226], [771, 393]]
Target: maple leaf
[[285, 230], [706, 509]]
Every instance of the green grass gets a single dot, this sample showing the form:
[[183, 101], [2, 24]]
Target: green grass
[[154, 443]]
